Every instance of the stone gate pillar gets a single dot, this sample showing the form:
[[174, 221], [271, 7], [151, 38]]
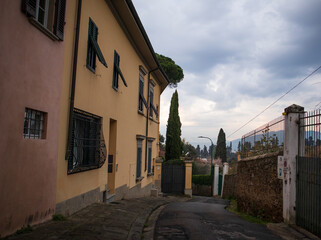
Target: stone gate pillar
[[291, 144], [188, 177], [158, 173], [225, 171], [215, 180]]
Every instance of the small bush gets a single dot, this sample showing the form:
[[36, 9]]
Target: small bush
[[24, 230], [202, 180], [174, 162], [58, 217]]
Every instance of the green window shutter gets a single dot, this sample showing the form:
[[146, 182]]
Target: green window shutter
[[117, 71], [98, 51], [93, 47], [60, 19], [29, 7], [143, 99], [121, 75], [154, 109]]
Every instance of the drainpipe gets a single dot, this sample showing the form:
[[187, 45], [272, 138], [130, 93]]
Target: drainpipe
[[147, 117], [73, 81]]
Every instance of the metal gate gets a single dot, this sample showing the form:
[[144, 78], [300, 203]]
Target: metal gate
[[308, 200], [173, 179]]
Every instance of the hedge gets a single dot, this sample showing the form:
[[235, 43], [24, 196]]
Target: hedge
[[174, 162], [202, 179]]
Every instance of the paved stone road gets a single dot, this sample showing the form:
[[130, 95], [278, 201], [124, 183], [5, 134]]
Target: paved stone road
[[119, 220], [206, 218]]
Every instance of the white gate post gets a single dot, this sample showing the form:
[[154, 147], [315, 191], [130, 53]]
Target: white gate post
[[215, 180], [291, 144], [225, 171]]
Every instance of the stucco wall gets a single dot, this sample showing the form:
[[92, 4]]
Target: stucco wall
[[94, 94], [30, 69], [257, 187]]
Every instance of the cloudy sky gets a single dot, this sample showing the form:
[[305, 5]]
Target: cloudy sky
[[238, 57]]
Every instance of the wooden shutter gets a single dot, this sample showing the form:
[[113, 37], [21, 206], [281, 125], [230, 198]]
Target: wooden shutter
[[29, 7], [59, 25]]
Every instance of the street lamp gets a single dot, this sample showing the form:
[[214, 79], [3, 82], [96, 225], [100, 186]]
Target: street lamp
[[212, 149], [212, 174]]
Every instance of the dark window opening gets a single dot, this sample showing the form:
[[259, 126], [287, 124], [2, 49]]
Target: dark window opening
[[139, 158], [149, 168]]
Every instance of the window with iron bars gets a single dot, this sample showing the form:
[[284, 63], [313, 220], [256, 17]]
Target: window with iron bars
[[34, 124], [87, 148]]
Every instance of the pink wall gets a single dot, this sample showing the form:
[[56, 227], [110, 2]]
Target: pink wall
[[30, 76]]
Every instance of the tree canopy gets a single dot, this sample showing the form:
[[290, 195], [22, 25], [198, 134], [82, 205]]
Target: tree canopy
[[173, 131], [172, 70], [221, 146]]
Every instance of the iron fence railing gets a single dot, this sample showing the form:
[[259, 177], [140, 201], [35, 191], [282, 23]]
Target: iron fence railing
[[310, 130], [265, 139], [308, 200]]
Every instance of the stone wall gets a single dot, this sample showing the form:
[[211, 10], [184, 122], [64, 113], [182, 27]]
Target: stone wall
[[201, 190], [229, 190], [257, 187]]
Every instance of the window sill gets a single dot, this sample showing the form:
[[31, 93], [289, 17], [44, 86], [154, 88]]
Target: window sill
[[52, 36], [139, 179], [151, 174]]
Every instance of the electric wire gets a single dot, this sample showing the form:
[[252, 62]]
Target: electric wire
[[313, 72]]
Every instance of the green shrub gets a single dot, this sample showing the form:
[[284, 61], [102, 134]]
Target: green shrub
[[58, 217], [174, 162], [24, 230], [202, 180]]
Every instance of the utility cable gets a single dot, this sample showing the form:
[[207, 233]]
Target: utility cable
[[313, 72]]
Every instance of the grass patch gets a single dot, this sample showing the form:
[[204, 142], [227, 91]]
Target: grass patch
[[23, 230], [58, 217], [232, 207]]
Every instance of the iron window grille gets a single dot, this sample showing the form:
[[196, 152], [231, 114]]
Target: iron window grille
[[141, 99], [87, 149], [117, 72], [47, 15], [93, 49], [34, 124]]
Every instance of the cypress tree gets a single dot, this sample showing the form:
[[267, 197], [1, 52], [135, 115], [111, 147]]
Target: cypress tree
[[173, 131], [221, 146]]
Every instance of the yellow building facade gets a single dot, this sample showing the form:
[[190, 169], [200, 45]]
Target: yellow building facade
[[110, 100]]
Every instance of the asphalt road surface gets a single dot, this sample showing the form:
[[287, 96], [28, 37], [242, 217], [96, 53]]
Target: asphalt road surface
[[204, 218]]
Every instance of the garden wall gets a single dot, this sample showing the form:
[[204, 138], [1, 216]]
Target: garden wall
[[257, 187]]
